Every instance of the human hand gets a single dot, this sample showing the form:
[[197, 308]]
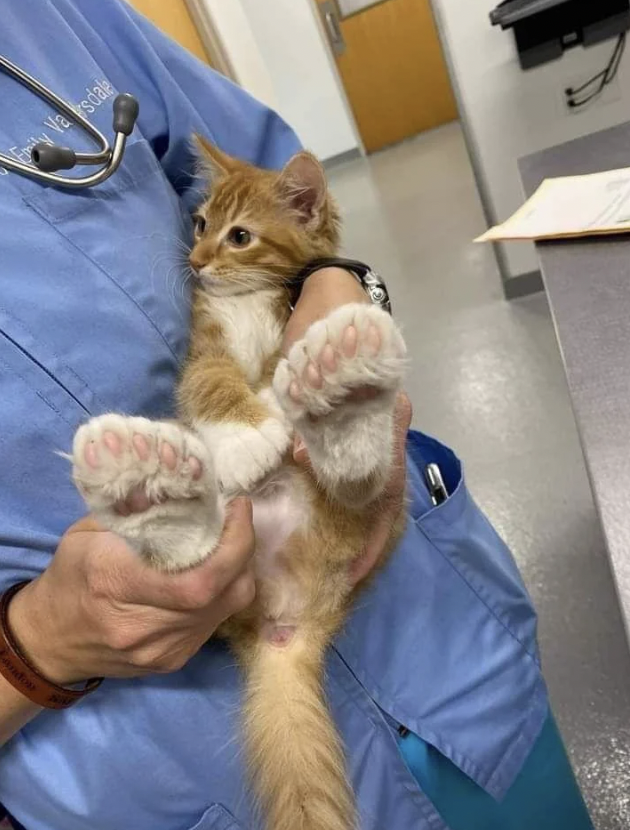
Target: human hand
[[98, 610], [391, 501]]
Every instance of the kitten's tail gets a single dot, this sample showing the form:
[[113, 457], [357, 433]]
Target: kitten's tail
[[294, 749]]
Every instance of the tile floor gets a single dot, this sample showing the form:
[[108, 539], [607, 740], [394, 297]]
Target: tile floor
[[487, 379]]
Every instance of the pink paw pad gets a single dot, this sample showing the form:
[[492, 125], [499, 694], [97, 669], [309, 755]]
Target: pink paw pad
[[90, 453], [141, 446], [113, 443], [168, 456], [295, 392], [328, 358], [194, 465], [349, 341], [312, 376], [372, 340], [136, 502]]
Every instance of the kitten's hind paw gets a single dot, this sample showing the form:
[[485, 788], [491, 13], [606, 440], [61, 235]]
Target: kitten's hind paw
[[152, 482]]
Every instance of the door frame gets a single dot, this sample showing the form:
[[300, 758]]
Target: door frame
[[212, 41], [210, 38], [315, 11]]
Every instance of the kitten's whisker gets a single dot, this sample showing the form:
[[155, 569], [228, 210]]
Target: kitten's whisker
[[162, 237], [232, 741]]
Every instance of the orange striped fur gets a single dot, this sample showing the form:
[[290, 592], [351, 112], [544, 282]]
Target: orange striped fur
[[295, 754]]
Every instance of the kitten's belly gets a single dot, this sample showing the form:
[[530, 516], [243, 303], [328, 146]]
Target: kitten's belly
[[276, 517]]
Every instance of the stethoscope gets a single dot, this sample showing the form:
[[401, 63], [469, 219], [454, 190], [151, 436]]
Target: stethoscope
[[47, 158]]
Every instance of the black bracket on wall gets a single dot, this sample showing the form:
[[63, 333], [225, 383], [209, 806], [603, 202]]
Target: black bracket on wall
[[543, 29]]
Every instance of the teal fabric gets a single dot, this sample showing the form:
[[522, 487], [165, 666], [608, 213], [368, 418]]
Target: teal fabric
[[545, 795]]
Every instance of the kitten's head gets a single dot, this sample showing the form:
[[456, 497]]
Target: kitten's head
[[259, 227]]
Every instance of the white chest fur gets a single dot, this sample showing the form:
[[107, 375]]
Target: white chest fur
[[251, 328], [277, 515]]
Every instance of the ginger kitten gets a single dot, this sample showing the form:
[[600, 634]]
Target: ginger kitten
[[240, 404]]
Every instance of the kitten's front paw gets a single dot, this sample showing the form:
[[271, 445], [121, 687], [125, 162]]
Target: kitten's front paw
[[338, 387], [152, 482], [245, 455], [352, 360]]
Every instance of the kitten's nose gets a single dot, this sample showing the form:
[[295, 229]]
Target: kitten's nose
[[196, 260]]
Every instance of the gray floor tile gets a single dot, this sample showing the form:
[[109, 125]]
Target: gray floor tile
[[487, 379]]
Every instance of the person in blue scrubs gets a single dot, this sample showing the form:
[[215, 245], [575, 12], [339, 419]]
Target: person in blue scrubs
[[435, 681]]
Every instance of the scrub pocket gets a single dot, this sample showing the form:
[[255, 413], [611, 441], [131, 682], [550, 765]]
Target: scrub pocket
[[444, 641], [50, 413], [217, 818]]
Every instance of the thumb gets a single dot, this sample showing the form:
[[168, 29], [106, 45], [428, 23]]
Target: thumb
[[239, 516], [236, 545], [87, 524], [229, 560]]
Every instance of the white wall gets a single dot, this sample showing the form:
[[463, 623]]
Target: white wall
[[279, 55], [232, 27], [511, 113]]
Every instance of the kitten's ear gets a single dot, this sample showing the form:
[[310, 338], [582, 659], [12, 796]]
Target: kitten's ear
[[303, 185], [213, 162]]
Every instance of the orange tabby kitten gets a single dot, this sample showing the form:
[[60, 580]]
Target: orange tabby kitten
[[240, 403]]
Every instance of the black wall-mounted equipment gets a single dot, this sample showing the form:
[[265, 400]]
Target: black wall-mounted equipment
[[543, 29]]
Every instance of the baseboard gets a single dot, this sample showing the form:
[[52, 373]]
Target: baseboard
[[523, 285], [342, 158]]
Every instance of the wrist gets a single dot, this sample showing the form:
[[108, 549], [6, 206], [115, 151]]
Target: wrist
[[31, 624], [322, 292], [16, 710], [337, 281]]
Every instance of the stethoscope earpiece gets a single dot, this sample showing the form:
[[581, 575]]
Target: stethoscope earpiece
[[126, 109], [51, 157]]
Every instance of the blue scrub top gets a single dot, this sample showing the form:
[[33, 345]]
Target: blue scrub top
[[94, 317]]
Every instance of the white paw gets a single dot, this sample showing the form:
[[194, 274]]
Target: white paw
[[352, 360], [245, 455], [114, 455], [338, 387], [153, 483]]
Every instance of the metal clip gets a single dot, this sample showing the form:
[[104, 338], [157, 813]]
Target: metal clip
[[435, 483]]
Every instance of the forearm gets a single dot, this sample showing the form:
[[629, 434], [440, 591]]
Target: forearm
[[322, 292], [15, 708], [15, 711]]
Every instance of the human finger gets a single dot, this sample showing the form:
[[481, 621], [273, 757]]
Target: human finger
[[199, 586]]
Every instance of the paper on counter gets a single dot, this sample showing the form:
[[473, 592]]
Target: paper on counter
[[571, 206]]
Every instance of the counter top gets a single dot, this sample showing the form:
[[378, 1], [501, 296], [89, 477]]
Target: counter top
[[588, 287]]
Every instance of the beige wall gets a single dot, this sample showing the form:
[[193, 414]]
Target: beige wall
[[173, 18], [278, 52]]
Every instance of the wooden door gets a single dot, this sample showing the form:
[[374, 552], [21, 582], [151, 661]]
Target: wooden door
[[173, 18], [392, 67]]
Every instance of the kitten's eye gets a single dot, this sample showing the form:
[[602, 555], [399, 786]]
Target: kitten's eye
[[199, 224], [239, 237]]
